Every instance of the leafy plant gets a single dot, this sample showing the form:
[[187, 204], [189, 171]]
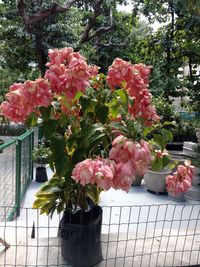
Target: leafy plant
[[95, 125], [196, 158], [41, 154], [181, 179], [160, 157]]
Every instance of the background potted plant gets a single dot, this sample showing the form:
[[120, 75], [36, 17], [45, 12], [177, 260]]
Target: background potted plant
[[193, 192], [197, 130], [87, 118], [161, 161], [41, 156], [180, 181]]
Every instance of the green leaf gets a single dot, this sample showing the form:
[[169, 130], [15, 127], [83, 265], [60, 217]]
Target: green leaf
[[47, 207], [158, 138], [60, 207], [165, 160], [89, 130], [157, 165], [61, 165], [32, 120], [38, 203], [123, 95], [78, 96], [85, 102], [167, 134], [51, 161], [45, 112], [63, 118], [78, 155], [93, 192], [54, 181], [114, 107], [49, 127], [45, 188], [102, 112], [57, 145], [168, 123], [147, 130], [172, 165], [97, 137], [50, 195], [52, 211]]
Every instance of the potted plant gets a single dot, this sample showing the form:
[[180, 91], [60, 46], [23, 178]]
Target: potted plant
[[197, 130], [180, 181], [1, 143], [87, 118], [193, 192], [41, 156], [161, 162]]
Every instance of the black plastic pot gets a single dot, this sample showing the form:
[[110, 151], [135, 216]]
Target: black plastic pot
[[1, 143], [41, 174], [175, 146], [80, 235]]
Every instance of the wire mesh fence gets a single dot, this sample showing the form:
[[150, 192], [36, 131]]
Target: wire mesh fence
[[16, 171], [149, 235], [7, 177]]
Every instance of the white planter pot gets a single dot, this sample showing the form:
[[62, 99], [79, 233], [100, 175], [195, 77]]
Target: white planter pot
[[198, 134], [193, 193], [178, 197], [155, 180], [196, 171]]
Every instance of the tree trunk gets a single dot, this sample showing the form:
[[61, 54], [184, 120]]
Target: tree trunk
[[41, 57]]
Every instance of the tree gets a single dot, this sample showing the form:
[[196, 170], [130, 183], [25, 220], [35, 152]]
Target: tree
[[175, 44], [36, 16], [40, 25]]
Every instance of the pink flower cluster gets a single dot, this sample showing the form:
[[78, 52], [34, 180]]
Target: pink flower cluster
[[126, 159], [135, 79], [68, 72], [181, 180], [24, 98]]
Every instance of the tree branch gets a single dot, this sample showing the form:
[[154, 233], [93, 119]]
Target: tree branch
[[29, 21], [91, 22], [111, 44]]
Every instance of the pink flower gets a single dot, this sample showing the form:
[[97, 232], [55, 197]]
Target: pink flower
[[93, 70], [181, 180], [121, 150], [84, 172], [134, 79], [123, 177], [96, 171], [104, 174], [131, 158], [26, 98], [68, 72]]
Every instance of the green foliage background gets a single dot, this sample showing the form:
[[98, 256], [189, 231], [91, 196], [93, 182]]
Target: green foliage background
[[173, 46]]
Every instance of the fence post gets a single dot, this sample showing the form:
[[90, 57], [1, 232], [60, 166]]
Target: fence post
[[31, 146], [40, 134], [18, 177]]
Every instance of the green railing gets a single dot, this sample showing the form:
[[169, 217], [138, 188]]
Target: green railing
[[16, 172]]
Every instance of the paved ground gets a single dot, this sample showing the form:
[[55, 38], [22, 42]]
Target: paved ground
[[123, 211], [138, 195]]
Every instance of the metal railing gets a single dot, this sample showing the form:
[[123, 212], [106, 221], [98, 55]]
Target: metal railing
[[139, 235], [16, 171]]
